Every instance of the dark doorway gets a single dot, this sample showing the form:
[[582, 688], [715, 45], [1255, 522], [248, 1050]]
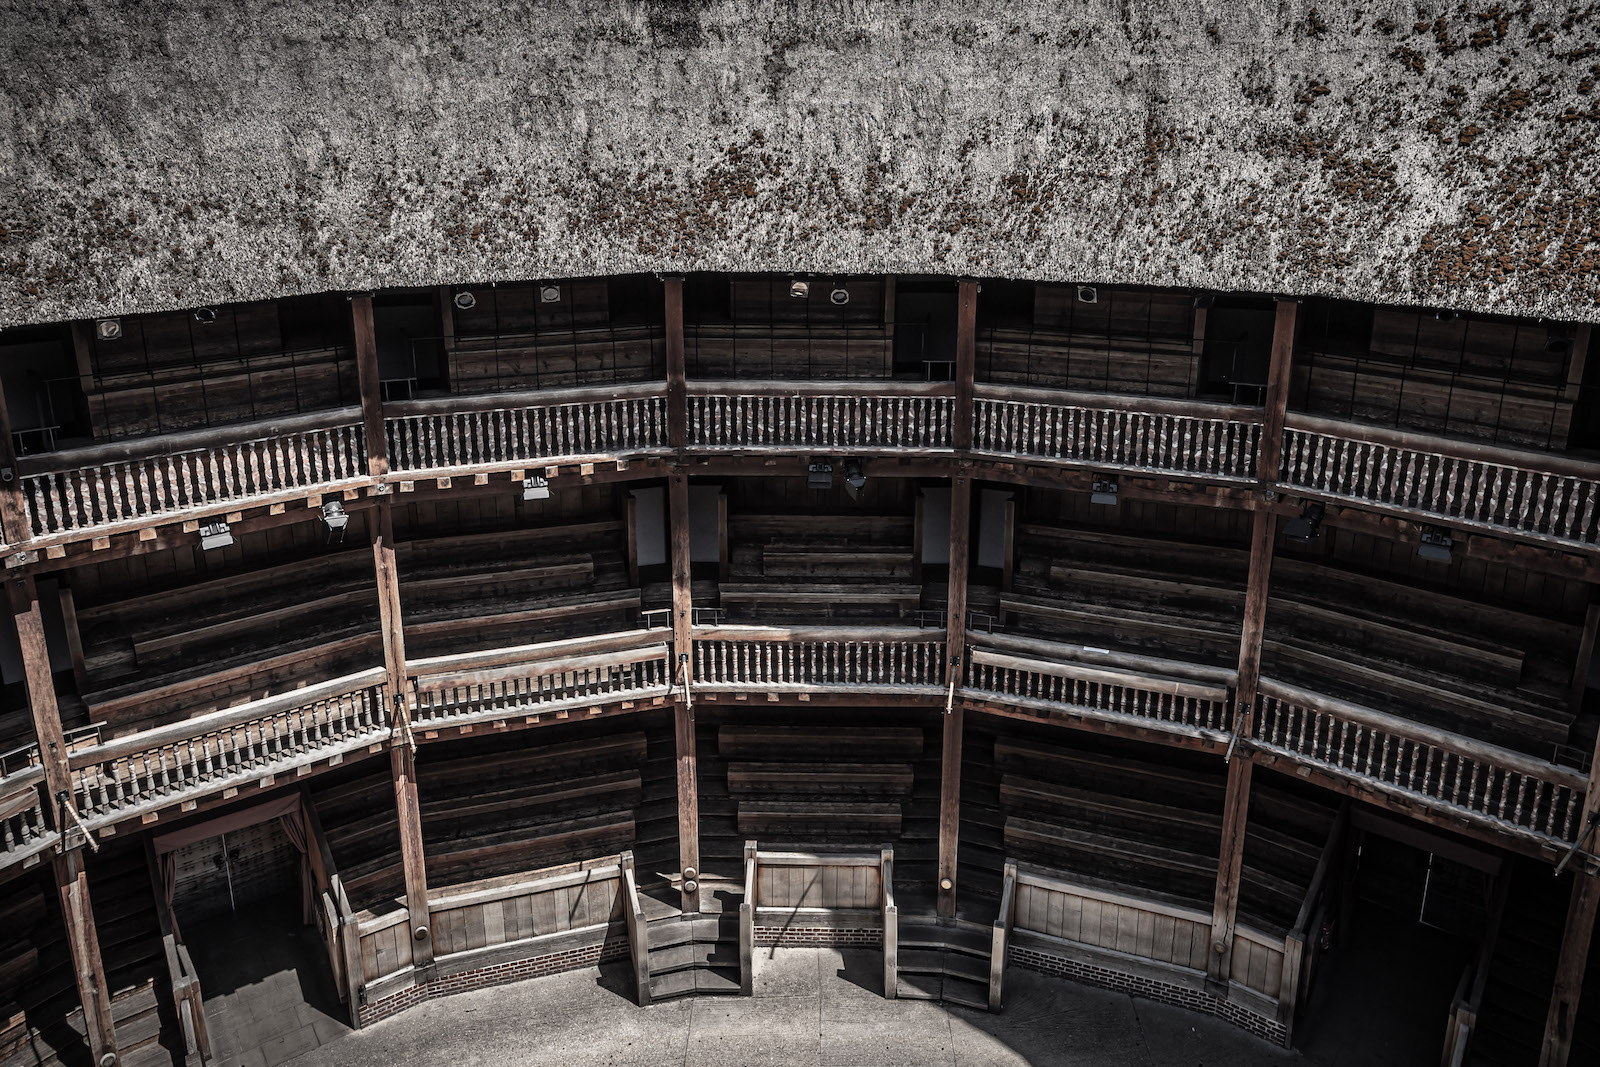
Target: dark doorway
[[1404, 935], [925, 328]]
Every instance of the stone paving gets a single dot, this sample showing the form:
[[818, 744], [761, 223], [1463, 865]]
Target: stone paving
[[812, 1006]]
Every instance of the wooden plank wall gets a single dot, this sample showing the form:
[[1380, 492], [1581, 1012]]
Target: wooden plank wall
[[1177, 936], [385, 949], [526, 910], [780, 885], [1257, 962]]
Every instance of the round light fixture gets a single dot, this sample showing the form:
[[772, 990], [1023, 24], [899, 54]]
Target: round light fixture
[[108, 329], [465, 301], [205, 316], [840, 295]]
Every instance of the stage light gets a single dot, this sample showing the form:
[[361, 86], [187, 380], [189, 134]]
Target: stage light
[[1104, 491], [535, 487], [1304, 529], [854, 476], [799, 289], [1088, 294], [205, 316], [550, 294], [1435, 544], [335, 518], [840, 295], [819, 476], [108, 329], [465, 301], [215, 535]]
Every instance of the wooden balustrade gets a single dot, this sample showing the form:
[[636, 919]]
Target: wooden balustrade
[[148, 770], [465, 435], [1095, 683], [1526, 493], [1516, 793], [527, 680], [829, 416], [107, 488], [503, 910], [23, 831], [777, 659], [1117, 433]]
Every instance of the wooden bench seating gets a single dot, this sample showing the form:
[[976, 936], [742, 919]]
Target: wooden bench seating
[[818, 820], [362, 829], [498, 812], [558, 359], [749, 742], [782, 600], [38, 994], [821, 353], [822, 530], [218, 395], [529, 543], [853, 778], [785, 561], [1148, 365], [1125, 629], [553, 618]]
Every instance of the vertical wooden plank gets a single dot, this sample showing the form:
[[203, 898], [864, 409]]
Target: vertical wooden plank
[[494, 922], [445, 301], [1162, 939], [69, 619], [1146, 936], [677, 388], [966, 353], [366, 352], [1092, 929], [1063, 916], [1559, 1020], [1277, 399], [1580, 667]]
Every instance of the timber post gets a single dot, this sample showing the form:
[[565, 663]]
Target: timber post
[[954, 722], [1567, 990], [72, 881], [682, 604], [1263, 532]]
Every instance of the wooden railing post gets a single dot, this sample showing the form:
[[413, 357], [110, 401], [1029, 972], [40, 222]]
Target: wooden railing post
[[638, 937], [747, 924], [1263, 531], [1564, 995], [71, 881], [891, 927], [677, 384], [402, 753], [1000, 937], [366, 352]]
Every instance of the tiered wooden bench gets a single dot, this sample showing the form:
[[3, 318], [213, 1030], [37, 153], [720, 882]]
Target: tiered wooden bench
[[514, 586], [498, 812], [167, 655], [787, 569], [816, 785], [1129, 593], [40, 1015], [1483, 670], [360, 824], [558, 358], [131, 950]]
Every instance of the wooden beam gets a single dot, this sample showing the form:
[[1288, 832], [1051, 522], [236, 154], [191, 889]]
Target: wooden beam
[[683, 707], [955, 718], [402, 757], [445, 297], [72, 883], [1568, 988], [41, 689], [1277, 400], [69, 621], [1236, 807], [677, 385], [13, 512], [366, 346], [966, 360], [1580, 668]]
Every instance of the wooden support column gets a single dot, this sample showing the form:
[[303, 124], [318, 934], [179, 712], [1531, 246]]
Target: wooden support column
[[402, 754], [1263, 532], [71, 881], [683, 706], [956, 601], [366, 346], [1568, 987], [13, 512], [677, 386], [1580, 667], [447, 331], [1576, 366]]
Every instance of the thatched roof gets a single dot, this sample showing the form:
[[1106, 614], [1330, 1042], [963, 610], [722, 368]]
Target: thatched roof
[[157, 155]]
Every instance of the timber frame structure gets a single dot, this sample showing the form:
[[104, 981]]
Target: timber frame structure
[[1511, 507]]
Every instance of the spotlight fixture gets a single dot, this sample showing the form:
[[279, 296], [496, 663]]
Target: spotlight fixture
[[1088, 294], [799, 288], [1104, 491], [535, 487], [819, 476], [840, 295], [1435, 544], [215, 535], [549, 294], [336, 519], [108, 329], [205, 316], [1304, 529], [464, 301], [854, 476], [1447, 316]]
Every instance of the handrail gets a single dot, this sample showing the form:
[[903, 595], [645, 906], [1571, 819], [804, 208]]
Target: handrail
[[1455, 743], [638, 931], [1130, 662], [818, 387], [1105, 675], [157, 446], [536, 653], [1155, 907], [184, 729], [1542, 462], [478, 402], [747, 924], [796, 634], [1001, 934], [891, 926], [1134, 402], [463, 898]]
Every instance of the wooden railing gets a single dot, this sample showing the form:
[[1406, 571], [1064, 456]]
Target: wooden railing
[[638, 930], [1468, 998], [779, 659], [1302, 948], [581, 896], [1516, 793], [1000, 937], [108, 488], [785, 417], [148, 770], [468, 435], [1098, 684], [337, 924], [1530, 494], [23, 831], [1117, 432], [185, 982], [527, 680]]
